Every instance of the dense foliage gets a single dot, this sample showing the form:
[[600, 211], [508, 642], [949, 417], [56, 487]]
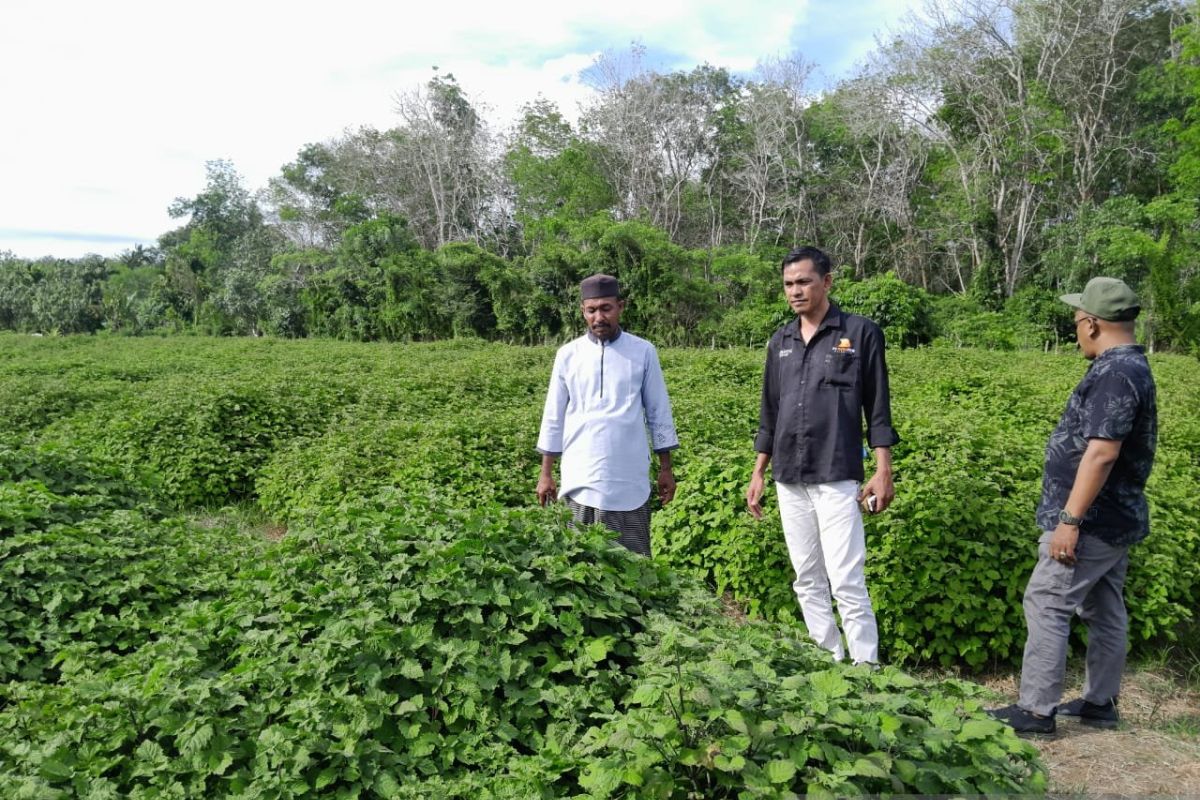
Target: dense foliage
[[87, 565], [994, 153], [410, 635], [396, 650], [948, 562], [305, 426]]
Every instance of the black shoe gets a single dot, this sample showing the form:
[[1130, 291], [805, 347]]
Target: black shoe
[[1104, 716], [1023, 721]]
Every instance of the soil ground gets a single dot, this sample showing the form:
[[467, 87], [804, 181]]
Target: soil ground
[[1154, 753]]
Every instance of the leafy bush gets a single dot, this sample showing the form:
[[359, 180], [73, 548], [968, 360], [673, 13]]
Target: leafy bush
[[31, 402], [947, 571], [959, 322], [87, 569], [1163, 584], [707, 533], [1042, 309], [720, 711], [204, 440], [73, 595], [948, 562], [466, 460], [384, 644], [42, 485], [752, 323], [394, 649], [319, 424], [903, 311]]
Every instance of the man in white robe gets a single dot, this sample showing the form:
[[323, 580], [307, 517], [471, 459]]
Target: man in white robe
[[606, 408]]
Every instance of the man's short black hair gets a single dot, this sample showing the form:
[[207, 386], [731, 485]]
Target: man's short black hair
[[819, 260]]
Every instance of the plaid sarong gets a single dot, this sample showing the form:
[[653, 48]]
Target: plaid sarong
[[633, 526]]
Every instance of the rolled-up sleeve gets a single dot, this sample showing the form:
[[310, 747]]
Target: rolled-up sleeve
[[550, 437], [876, 395], [657, 404], [764, 441]]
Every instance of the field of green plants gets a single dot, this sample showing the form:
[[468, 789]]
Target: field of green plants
[[423, 631]]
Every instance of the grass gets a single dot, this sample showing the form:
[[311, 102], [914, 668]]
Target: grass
[[1167, 673], [244, 518], [1179, 657], [1156, 749]]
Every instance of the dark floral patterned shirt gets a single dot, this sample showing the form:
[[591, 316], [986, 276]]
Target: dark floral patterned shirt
[[1115, 400]]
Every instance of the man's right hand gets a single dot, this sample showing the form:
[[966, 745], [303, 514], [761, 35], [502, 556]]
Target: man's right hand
[[754, 493], [547, 490]]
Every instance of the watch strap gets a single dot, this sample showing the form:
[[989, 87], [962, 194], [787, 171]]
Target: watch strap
[[1066, 517]]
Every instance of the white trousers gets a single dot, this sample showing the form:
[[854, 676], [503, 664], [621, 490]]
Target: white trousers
[[823, 528]]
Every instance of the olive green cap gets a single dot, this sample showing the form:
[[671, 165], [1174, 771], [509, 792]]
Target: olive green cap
[[1106, 298]]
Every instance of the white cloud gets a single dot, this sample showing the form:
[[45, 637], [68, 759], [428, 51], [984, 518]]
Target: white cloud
[[111, 109]]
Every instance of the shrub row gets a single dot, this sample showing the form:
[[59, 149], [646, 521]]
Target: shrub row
[[88, 567], [392, 648], [304, 426]]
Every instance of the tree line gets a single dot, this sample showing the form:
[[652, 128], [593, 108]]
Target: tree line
[[992, 155]]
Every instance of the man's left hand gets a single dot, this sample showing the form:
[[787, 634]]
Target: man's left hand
[[882, 488], [666, 486], [1062, 543]]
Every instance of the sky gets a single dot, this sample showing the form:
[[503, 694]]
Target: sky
[[109, 110]]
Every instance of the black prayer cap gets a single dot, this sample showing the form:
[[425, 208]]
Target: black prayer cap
[[599, 286]]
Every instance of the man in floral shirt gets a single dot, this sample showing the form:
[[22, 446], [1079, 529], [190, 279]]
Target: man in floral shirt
[[1093, 508]]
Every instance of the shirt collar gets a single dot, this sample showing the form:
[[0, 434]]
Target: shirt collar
[[1133, 348], [594, 339], [833, 319], [1116, 351]]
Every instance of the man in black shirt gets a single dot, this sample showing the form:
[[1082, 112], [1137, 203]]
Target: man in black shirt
[[825, 371], [1093, 508]]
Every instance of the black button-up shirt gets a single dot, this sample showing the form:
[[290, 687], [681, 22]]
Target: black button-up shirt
[[1116, 400], [815, 398]]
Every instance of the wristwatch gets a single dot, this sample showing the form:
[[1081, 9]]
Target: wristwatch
[[1065, 516]]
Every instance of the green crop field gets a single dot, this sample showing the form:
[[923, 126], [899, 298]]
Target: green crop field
[[423, 631]]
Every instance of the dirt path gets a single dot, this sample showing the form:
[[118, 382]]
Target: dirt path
[[1156, 751]]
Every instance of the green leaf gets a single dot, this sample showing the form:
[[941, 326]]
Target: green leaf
[[729, 763], [597, 649], [867, 768], [974, 729], [781, 770], [830, 684]]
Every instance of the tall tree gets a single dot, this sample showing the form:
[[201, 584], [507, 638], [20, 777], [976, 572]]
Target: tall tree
[[871, 168], [1029, 100], [555, 175], [221, 217], [659, 139], [772, 175], [442, 153], [311, 199]]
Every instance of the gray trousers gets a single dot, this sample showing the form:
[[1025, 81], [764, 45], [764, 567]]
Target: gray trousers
[[1093, 588]]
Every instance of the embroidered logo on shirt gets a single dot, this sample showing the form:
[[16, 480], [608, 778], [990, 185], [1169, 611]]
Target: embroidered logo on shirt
[[783, 353], [844, 346]]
